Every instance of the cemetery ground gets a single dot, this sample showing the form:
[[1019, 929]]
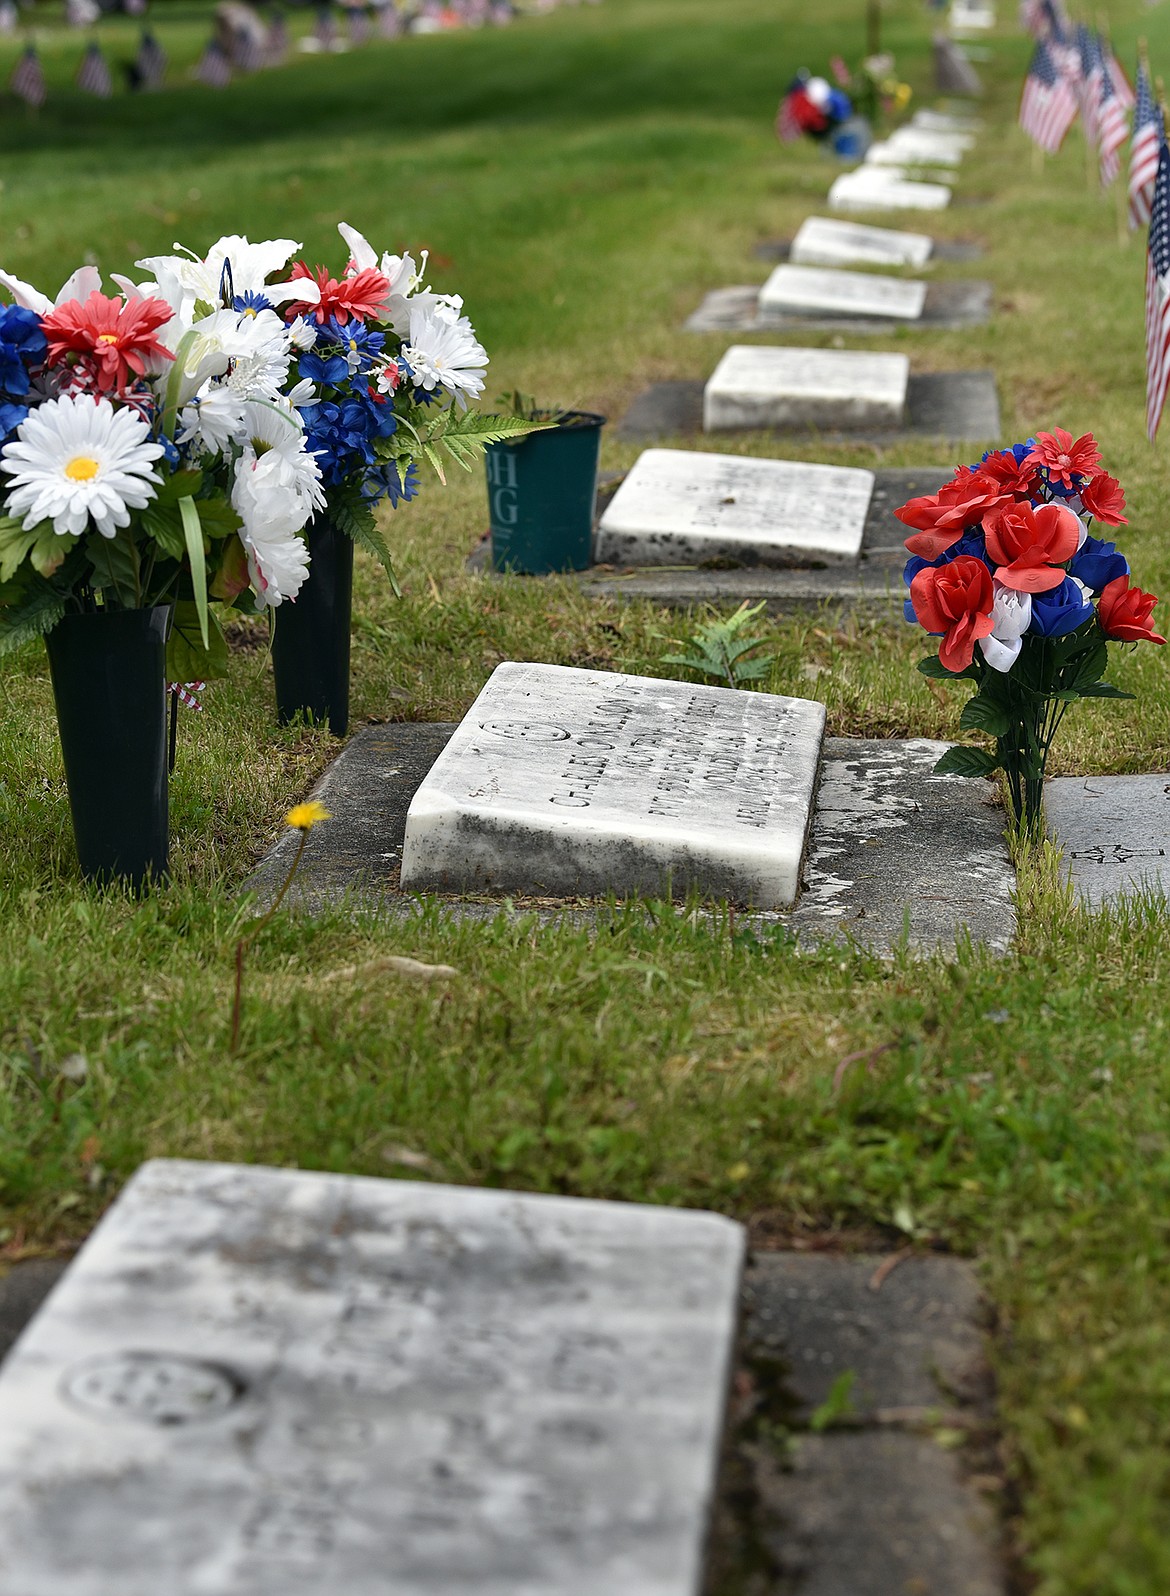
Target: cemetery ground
[[588, 176]]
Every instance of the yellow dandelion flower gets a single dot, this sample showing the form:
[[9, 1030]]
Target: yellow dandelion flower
[[303, 817]]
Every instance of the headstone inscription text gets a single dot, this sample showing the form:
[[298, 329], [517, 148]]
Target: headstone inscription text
[[1115, 832], [821, 291], [760, 386], [679, 507], [429, 1390], [823, 241], [562, 782]]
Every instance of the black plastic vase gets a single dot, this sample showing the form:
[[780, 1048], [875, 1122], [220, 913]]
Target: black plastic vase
[[109, 683], [541, 496], [310, 635]]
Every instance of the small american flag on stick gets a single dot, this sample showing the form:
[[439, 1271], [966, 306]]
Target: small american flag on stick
[[28, 81], [214, 68], [324, 29], [93, 75], [1148, 134], [1048, 106], [1112, 126], [1158, 297], [359, 26], [277, 39], [249, 50], [151, 62]]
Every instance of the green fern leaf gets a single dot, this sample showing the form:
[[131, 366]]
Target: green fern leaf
[[38, 614]]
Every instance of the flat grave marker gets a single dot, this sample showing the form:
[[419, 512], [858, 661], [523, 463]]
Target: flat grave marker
[[945, 122], [823, 241], [932, 145], [755, 386], [875, 188], [1115, 832], [821, 291], [564, 783], [262, 1382], [679, 507], [899, 159]]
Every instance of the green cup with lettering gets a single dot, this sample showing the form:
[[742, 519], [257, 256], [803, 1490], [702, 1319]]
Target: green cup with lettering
[[542, 492]]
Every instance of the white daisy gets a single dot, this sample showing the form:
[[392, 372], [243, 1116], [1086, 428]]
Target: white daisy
[[75, 460], [213, 422], [278, 568], [443, 352]]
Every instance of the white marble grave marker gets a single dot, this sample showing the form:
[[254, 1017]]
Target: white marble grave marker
[[901, 158], [823, 241], [679, 507], [820, 291], [563, 783], [758, 386], [262, 1382], [876, 188], [945, 149], [945, 122]]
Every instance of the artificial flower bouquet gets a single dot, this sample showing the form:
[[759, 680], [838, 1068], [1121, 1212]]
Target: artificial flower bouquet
[[1005, 570]]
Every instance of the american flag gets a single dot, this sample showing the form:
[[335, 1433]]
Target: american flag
[[359, 26], [151, 62], [1158, 297], [389, 22], [1112, 126], [249, 50], [1048, 106], [1089, 75], [277, 38], [788, 129], [1143, 155], [1120, 82], [214, 68], [324, 29], [28, 81], [93, 75]]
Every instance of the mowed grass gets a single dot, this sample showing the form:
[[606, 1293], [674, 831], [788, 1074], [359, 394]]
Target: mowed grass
[[582, 179]]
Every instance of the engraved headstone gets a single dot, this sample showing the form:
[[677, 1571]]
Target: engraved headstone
[[820, 291], [1115, 832], [564, 783], [946, 149], [876, 188], [910, 154], [755, 386], [945, 122], [262, 1382], [822, 241], [677, 507], [953, 72]]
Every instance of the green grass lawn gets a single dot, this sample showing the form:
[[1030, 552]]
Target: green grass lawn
[[582, 179]]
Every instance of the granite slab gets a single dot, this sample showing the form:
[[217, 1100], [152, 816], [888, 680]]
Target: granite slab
[[562, 782], [1115, 833], [824, 291], [955, 407], [262, 1382], [965, 303], [960, 830], [679, 506], [755, 386], [874, 188], [825, 241]]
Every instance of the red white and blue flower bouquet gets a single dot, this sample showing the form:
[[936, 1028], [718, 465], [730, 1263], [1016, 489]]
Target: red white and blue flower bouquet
[[1005, 570]]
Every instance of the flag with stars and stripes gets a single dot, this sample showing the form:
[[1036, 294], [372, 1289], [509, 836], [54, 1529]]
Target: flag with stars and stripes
[[214, 68], [1158, 297], [1112, 126], [1148, 134], [1120, 82], [93, 75], [28, 81], [277, 39], [325, 29], [1089, 78], [1048, 106], [359, 26], [249, 49], [151, 62]]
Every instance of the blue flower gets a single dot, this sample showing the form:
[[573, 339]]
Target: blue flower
[[1097, 563], [341, 433], [970, 543], [10, 418], [251, 303], [23, 346], [328, 371], [383, 483], [1060, 611]]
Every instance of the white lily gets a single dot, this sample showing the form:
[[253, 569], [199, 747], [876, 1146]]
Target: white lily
[[85, 281], [184, 279]]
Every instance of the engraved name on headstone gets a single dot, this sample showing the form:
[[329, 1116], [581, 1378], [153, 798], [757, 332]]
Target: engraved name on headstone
[[875, 188], [819, 291], [563, 783], [822, 241], [381, 1386], [758, 386], [679, 507]]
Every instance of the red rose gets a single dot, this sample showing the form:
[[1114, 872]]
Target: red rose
[[1126, 612], [943, 517], [955, 601], [1028, 545], [1104, 499]]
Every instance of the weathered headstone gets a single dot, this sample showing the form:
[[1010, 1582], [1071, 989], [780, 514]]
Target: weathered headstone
[[876, 188], [906, 164], [945, 149], [953, 73], [821, 291], [261, 1382], [755, 386], [945, 122], [565, 783], [1115, 832], [967, 20], [677, 507], [822, 241]]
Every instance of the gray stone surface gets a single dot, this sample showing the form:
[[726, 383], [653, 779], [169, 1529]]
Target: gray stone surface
[[679, 506], [739, 309], [953, 73], [259, 1382], [876, 188], [1115, 832], [952, 407], [818, 291], [898, 852], [945, 122], [929, 144], [942, 249], [566, 783], [905, 159], [765, 386], [23, 1287], [828, 241]]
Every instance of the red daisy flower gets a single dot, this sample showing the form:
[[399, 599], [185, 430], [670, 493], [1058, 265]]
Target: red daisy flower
[[361, 296], [1104, 499], [1004, 468], [1062, 458], [113, 340]]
